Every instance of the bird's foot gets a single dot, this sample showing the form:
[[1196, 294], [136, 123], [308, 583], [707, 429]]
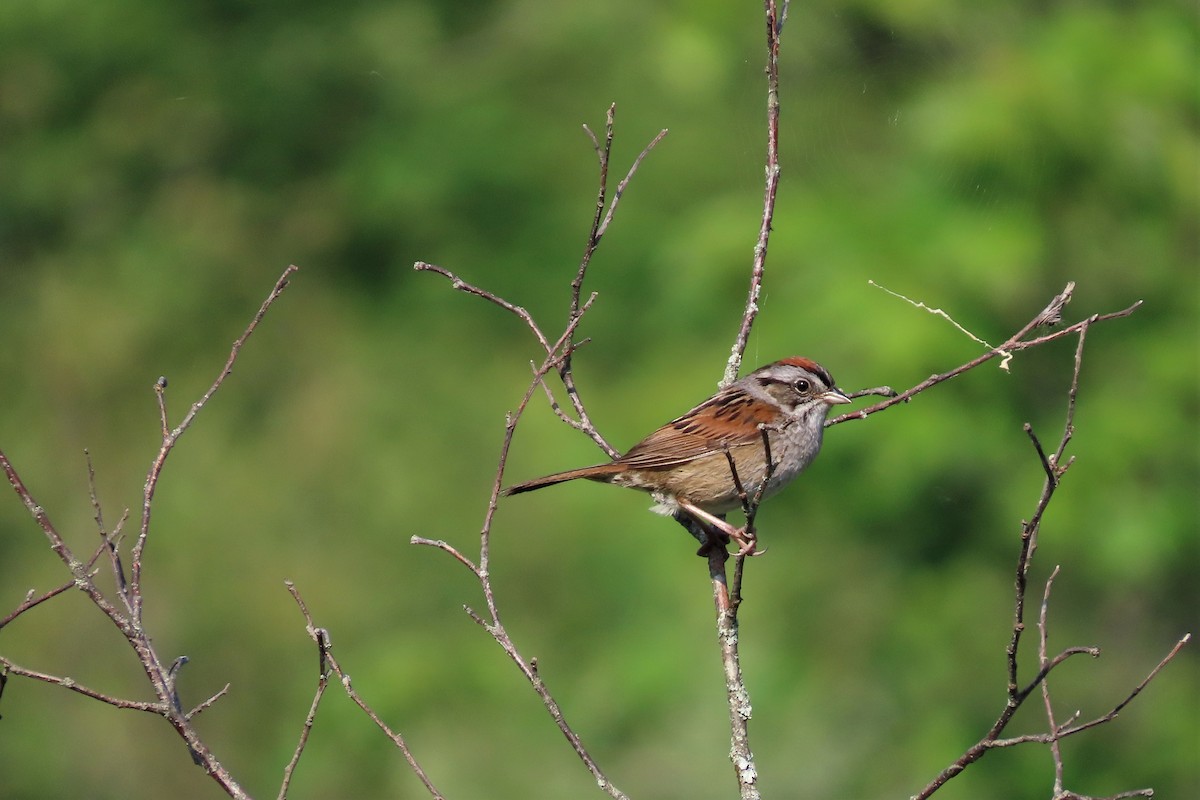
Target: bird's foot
[[724, 532], [747, 542]]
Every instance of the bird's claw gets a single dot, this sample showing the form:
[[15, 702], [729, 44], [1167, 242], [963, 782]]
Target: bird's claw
[[748, 545]]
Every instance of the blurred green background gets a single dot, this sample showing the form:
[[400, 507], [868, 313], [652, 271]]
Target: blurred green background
[[161, 163]]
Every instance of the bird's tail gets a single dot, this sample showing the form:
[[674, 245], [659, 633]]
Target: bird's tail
[[600, 472]]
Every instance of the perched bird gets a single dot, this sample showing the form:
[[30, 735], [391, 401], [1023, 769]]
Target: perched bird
[[685, 464]]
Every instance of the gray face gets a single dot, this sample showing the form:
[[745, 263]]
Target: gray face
[[791, 386]]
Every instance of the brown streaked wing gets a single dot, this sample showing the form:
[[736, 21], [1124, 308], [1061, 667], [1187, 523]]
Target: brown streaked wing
[[701, 432]]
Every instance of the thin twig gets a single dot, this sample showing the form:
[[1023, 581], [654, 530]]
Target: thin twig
[[878, 391], [495, 627], [603, 153], [79, 570], [736, 693], [556, 407], [321, 637], [290, 769], [1119, 707], [442, 544], [31, 601], [204, 705], [637, 162], [769, 468], [458, 284]]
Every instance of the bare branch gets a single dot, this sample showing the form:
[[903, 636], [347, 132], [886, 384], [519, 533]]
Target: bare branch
[[290, 769], [32, 602], [603, 153], [737, 695], [209, 703], [162, 676], [557, 357], [612, 208], [1119, 707], [600, 223], [552, 350], [321, 636], [879, 391], [1052, 314], [458, 284], [1044, 661], [79, 570], [1037, 444], [727, 598], [937, 312], [554, 406], [442, 544]]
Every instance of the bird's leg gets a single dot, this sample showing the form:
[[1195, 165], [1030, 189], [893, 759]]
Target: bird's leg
[[747, 544]]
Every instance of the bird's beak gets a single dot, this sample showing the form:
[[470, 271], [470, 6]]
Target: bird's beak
[[835, 397]]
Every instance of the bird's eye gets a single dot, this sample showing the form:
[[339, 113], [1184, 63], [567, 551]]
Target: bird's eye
[[802, 386]]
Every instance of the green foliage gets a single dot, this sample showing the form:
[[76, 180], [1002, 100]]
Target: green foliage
[[161, 163]]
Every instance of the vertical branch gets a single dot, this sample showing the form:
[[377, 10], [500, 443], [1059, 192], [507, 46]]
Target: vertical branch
[[727, 600], [774, 26], [727, 595]]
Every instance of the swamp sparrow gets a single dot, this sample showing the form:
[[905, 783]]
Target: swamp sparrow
[[694, 464]]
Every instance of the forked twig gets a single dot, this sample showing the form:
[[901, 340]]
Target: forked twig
[[171, 436], [328, 665], [600, 222]]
